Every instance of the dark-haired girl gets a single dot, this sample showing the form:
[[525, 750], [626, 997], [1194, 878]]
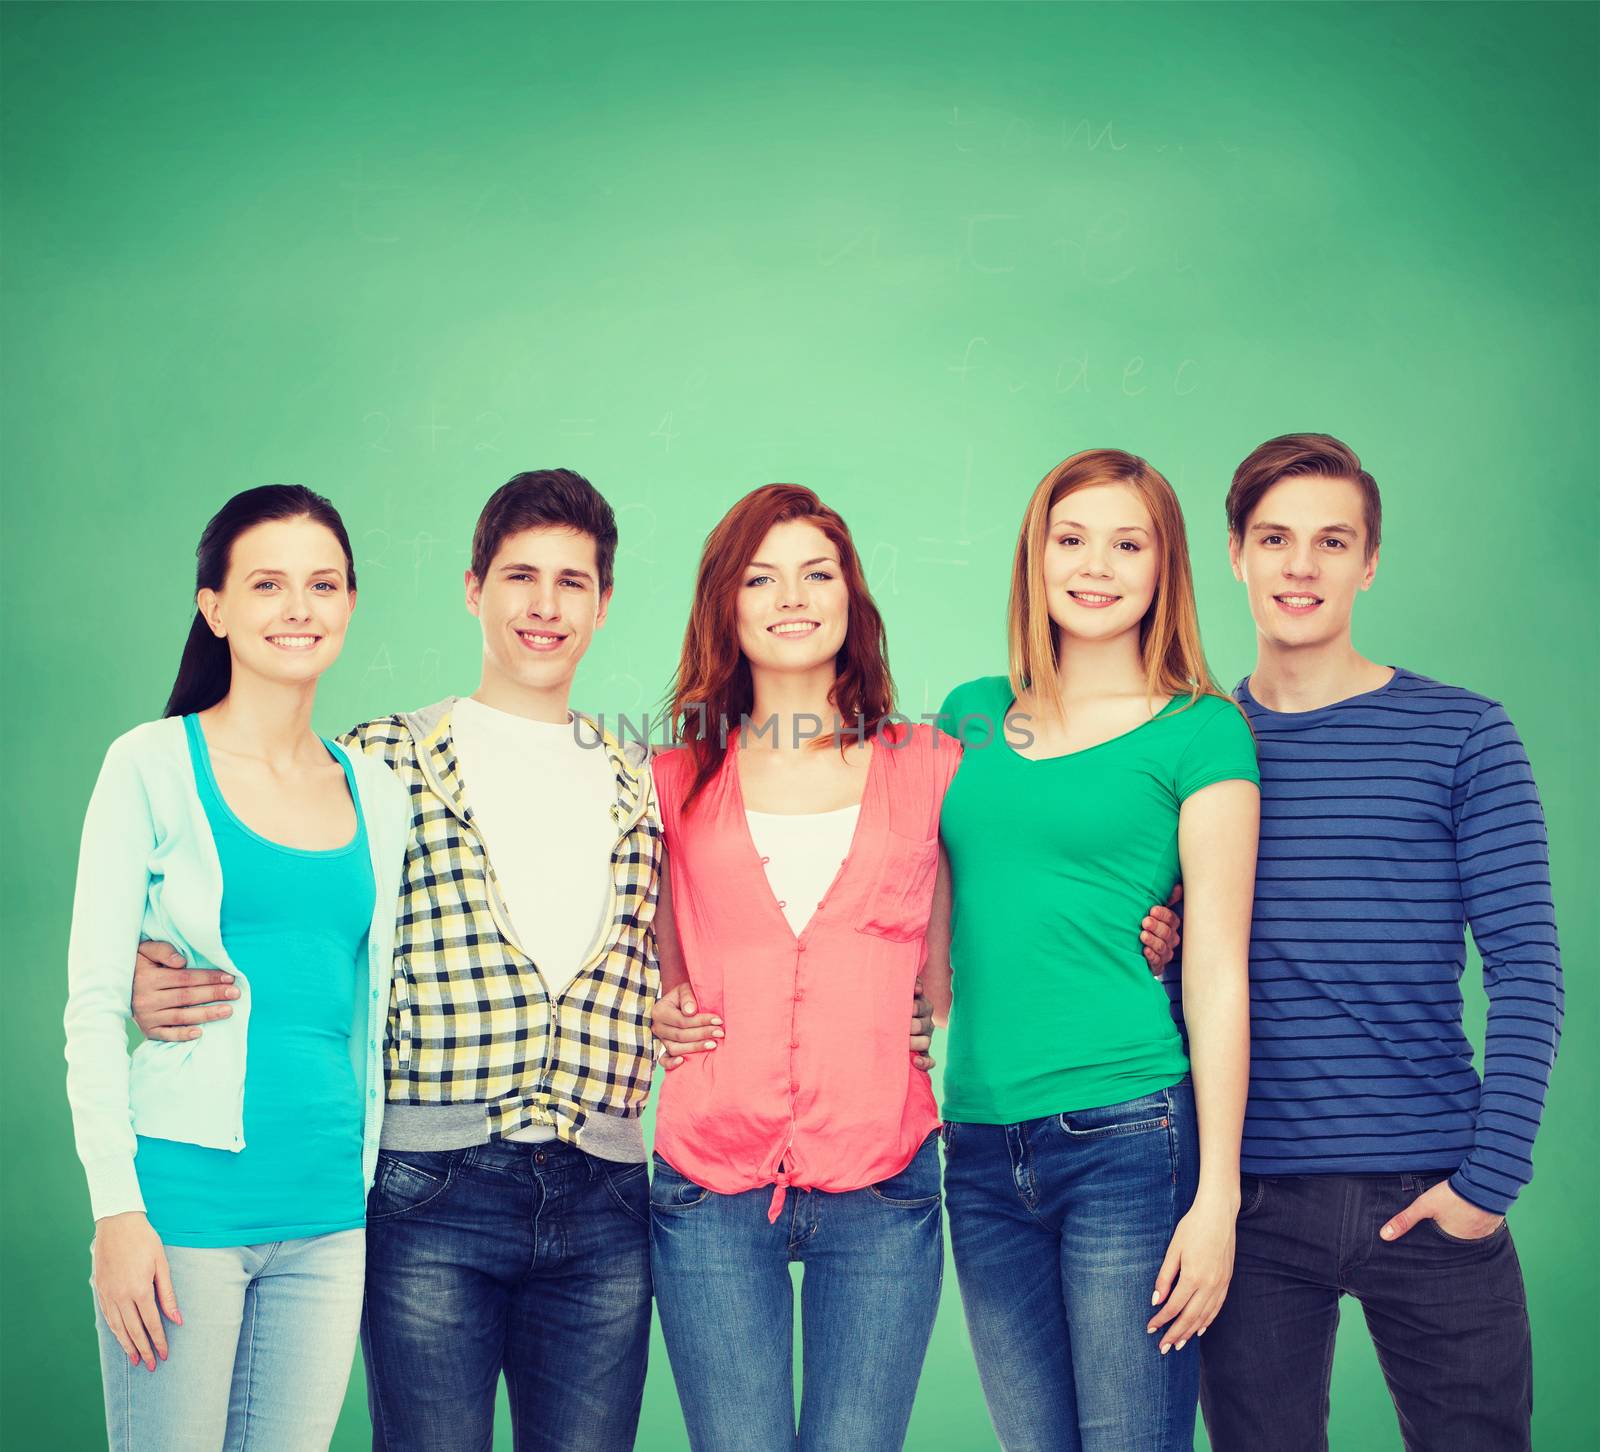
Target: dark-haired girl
[[228, 1174]]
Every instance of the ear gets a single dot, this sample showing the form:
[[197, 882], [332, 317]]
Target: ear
[[1233, 556], [605, 604], [474, 592], [209, 604], [1368, 574], [352, 595]]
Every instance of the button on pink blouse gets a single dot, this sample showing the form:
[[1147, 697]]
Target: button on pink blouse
[[813, 1085]]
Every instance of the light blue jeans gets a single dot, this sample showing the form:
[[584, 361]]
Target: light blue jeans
[[873, 1259], [262, 1360]]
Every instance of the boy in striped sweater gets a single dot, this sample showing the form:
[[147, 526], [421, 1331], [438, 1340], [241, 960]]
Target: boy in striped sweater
[[1394, 811]]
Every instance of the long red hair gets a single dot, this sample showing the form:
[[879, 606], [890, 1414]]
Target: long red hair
[[712, 692]]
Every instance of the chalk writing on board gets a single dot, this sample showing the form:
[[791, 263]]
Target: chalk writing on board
[[381, 665], [883, 569], [664, 431], [377, 436], [985, 238], [489, 437], [1081, 131], [965, 366], [433, 428], [1100, 249], [955, 549], [865, 241]]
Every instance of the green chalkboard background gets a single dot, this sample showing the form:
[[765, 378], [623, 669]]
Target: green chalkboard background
[[911, 255]]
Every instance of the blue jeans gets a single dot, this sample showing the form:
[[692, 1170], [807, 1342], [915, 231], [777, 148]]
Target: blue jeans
[[262, 1360], [1059, 1227], [532, 1259], [873, 1263]]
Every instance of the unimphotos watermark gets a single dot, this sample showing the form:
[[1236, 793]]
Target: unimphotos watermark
[[975, 730]]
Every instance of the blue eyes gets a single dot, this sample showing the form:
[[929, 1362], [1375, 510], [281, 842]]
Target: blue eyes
[[325, 586], [767, 579]]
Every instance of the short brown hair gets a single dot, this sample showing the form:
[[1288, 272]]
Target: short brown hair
[[1292, 456], [546, 499]]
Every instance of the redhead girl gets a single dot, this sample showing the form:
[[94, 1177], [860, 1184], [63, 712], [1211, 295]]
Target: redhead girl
[[1092, 1157], [229, 1187], [801, 828]]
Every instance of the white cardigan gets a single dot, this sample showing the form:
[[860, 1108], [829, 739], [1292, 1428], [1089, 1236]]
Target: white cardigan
[[148, 868]]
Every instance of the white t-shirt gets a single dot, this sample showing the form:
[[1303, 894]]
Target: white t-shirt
[[802, 855], [543, 804]]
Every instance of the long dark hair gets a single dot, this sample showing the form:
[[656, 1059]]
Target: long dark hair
[[206, 670]]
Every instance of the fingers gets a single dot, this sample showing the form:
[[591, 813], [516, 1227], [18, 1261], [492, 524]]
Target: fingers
[[113, 1315], [1406, 1218], [1400, 1224], [166, 1296], [1166, 921], [150, 1317], [1182, 1294], [920, 1043], [177, 1017], [133, 1324], [679, 1029], [685, 1039], [923, 1062], [162, 955], [1164, 1279], [1197, 1315], [1177, 896]]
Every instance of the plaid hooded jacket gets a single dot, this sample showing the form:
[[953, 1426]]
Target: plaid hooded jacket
[[470, 1020]]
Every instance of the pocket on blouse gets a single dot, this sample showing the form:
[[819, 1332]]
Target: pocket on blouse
[[897, 905]]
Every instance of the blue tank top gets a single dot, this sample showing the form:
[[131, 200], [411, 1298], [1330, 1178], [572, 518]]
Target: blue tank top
[[295, 924]]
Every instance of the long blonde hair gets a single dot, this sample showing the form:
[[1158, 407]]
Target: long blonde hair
[[1169, 635]]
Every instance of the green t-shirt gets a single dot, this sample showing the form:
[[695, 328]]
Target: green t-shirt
[[1053, 865]]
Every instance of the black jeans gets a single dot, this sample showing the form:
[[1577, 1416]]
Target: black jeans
[[1448, 1318], [531, 1259]]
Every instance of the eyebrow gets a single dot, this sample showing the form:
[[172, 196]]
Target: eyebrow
[[534, 570], [284, 574], [1120, 529], [1320, 529], [820, 560]]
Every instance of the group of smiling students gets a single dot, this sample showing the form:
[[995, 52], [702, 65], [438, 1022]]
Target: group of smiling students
[[424, 1120]]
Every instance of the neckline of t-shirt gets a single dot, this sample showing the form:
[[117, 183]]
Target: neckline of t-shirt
[[510, 721], [1171, 705], [802, 816], [1360, 698]]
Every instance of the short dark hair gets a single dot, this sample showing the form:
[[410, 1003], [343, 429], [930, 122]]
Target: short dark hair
[[546, 499], [1294, 455]]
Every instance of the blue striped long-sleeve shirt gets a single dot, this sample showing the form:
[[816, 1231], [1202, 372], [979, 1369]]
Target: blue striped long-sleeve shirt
[[1389, 822]]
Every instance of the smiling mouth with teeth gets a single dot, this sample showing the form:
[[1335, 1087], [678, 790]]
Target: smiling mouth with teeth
[[294, 642], [1298, 602], [793, 627], [539, 639], [1092, 597]]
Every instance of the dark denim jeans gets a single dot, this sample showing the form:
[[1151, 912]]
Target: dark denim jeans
[[532, 1259], [873, 1263], [1448, 1318], [1059, 1227]]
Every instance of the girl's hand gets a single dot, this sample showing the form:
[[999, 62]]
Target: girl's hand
[[134, 1285], [1200, 1260], [679, 1030]]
